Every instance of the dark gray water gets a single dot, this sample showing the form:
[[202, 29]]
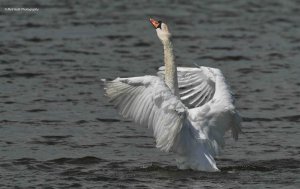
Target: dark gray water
[[57, 130]]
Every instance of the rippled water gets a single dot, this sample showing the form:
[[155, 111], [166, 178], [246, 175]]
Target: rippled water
[[57, 130]]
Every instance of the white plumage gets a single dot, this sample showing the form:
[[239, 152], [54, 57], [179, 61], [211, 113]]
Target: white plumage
[[191, 124]]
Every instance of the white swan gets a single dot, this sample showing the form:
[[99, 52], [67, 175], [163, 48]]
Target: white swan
[[189, 109]]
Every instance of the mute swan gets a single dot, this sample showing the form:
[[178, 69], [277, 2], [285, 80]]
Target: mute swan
[[188, 109]]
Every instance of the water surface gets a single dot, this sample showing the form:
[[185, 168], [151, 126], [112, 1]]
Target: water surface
[[57, 130]]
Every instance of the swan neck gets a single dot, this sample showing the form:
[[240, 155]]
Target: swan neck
[[170, 67]]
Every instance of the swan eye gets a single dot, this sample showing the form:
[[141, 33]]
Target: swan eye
[[159, 24]]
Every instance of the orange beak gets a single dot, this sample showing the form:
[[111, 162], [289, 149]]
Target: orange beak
[[155, 24]]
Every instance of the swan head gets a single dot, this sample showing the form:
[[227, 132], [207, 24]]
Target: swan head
[[162, 30]]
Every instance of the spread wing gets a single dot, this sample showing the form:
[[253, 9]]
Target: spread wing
[[196, 85], [148, 101], [196, 134], [211, 119]]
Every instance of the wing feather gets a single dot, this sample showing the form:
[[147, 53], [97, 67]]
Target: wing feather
[[196, 85], [148, 101]]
